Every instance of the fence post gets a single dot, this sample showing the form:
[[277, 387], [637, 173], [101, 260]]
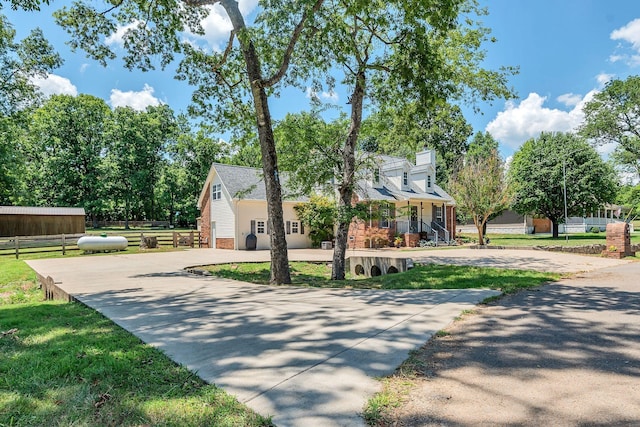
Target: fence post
[[191, 238], [63, 244], [175, 239], [17, 247]]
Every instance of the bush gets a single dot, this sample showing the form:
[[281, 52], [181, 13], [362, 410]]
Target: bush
[[595, 229]]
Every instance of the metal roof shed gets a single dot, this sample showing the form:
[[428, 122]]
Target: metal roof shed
[[36, 221]]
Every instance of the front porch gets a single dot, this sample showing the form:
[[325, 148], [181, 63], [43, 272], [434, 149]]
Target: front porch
[[407, 222]]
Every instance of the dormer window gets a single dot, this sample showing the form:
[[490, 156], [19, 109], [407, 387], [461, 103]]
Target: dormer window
[[428, 181], [405, 178], [376, 176]]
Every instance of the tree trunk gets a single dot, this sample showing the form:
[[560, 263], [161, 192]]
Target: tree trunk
[[126, 213], [279, 257], [480, 227], [348, 179]]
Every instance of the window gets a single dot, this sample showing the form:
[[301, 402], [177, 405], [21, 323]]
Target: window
[[428, 181], [294, 227], [216, 191], [439, 213], [376, 176], [261, 226], [385, 213], [405, 178]]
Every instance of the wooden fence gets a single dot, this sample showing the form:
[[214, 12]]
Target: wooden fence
[[23, 245]]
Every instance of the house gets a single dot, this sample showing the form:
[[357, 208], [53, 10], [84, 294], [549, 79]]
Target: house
[[40, 221], [404, 199], [233, 205], [510, 222]]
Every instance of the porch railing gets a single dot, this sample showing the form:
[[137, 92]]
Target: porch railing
[[415, 227], [439, 227]]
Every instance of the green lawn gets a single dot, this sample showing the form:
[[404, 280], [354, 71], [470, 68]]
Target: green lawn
[[430, 276], [65, 364], [546, 239]]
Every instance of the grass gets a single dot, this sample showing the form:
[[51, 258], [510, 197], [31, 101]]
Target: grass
[[546, 239], [17, 282], [65, 364], [429, 276]]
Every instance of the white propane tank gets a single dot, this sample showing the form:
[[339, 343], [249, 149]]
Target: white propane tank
[[102, 243]]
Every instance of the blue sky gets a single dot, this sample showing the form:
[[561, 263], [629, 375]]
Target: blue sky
[[566, 50]]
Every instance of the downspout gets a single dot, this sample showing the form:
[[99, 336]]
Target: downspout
[[237, 225], [421, 217]]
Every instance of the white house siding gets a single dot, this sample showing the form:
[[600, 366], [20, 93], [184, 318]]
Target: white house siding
[[222, 212], [254, 210]]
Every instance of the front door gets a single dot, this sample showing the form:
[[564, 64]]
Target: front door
[[413, 226]]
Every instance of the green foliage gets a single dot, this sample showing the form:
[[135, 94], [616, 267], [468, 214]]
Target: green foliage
[[613, 116], [20, 62], [629, 196], [66, 142], [483, 145], [319, 215], [138, 141], [67, 363], [309, 148], [537, 175], [481, 190]]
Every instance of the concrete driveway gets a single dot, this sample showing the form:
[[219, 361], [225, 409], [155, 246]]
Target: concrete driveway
[[305, 356]]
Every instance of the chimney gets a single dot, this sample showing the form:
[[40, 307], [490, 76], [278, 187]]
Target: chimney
[[426, 157]]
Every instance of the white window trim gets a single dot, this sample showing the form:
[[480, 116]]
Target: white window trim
[[216, 192], [405, 178], [263, 226], [295, 227]]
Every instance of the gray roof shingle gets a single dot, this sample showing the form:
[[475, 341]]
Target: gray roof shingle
[[243, 182]]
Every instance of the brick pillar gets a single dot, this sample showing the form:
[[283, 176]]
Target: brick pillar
[[205, 222]]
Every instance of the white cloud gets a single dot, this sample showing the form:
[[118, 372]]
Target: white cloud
[[55, 85], [520, 122], [136, 100], [217, 25], [569, 99], [604, 78], [117, 38], [629, 33], [84, 67], [330, 96]]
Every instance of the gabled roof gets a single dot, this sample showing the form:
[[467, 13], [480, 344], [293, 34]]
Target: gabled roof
[[389, 192], [31, 210], [246, 183]]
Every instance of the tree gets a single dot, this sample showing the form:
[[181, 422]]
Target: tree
[[319, 215], [240, 78], [401, 53], [613, 116], [483, 145], [190, 157], [543, 167], [405, 131], [137, 142], [20, 62], [65, 153], [480, 189]]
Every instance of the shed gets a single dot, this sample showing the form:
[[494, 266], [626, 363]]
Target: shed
[[36, 221]]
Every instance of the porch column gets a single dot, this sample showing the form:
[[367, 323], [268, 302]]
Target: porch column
[[444, 214]]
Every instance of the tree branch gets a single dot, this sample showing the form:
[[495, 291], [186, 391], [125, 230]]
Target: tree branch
[[292, 42], [225, 55]]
